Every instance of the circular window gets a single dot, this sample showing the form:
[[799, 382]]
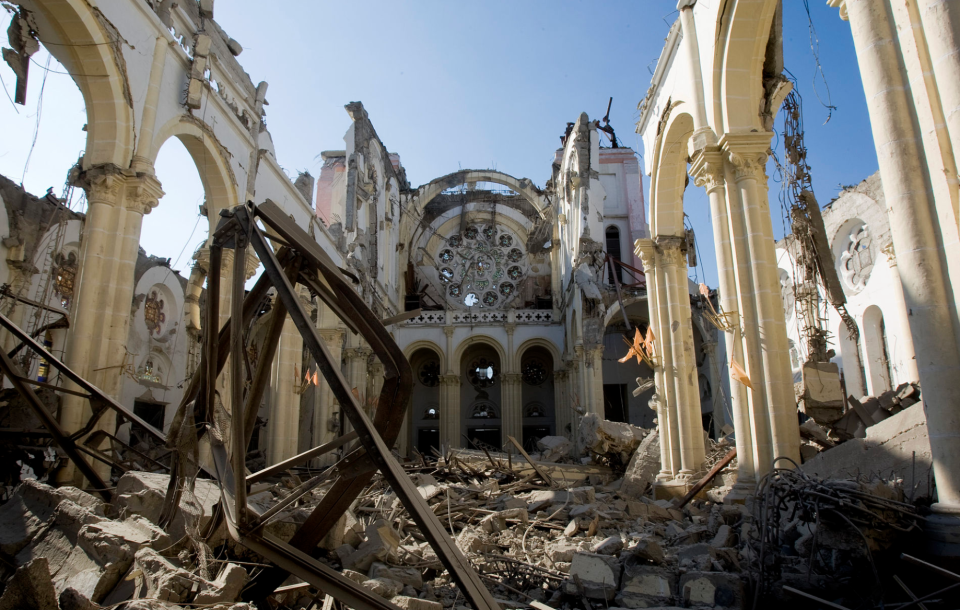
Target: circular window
[[454, 290], [455, 241], [477, 261], [514, 255], [446, 256], [429, 373], [534, 372], [490, 298], [471, 299], [506, 289], [505, 240], [482, 373]]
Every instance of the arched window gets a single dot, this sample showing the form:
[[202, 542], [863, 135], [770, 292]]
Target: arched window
[[613, 249], [875, 348]]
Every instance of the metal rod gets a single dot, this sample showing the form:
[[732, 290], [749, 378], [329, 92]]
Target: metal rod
[[814, 598], [936, 569], [909, 592], [12, 371], [239, 449], [293, 496], [211, 343], [303, 457]]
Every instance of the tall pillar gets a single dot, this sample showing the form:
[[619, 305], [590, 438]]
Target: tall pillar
[[325, 424], [681, 370], [708, 168], [512, 408], [562, 411], [355, 358], [449, 411], [665, 398], [906, 189], [374, 385], [941, 26], [284, 409], [96, 345], [908, 365]]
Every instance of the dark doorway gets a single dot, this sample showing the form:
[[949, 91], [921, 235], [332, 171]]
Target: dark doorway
[[613, 250], [615, 402], [150, 412], [428, 439], [532, 434], [486, 436]]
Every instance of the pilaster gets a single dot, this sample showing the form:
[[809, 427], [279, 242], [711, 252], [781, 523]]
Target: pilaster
[[449, 411]]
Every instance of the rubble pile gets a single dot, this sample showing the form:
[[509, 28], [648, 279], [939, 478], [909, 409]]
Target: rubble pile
[[554, 533]]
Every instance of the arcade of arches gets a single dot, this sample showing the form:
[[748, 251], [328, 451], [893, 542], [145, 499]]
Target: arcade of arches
[[526, 293]]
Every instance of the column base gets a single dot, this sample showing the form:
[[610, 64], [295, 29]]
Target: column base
[[942, 531]]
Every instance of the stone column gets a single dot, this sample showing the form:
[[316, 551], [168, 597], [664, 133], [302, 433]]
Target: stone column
[[708, 169], [449, 411], [325, 408], [941, 27], [767, 353], [910, 205], [284, 410], [908, 370], [96, 345], [562, 410], [374, 385], [512, 415], [666, 404], [356, 358], [681, 370]]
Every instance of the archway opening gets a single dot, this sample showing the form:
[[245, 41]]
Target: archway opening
[[425, 401], [480, 397], [877, 355], [622, 401], [537, 396]]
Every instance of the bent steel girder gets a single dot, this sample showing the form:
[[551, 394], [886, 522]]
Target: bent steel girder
[[314, 269]]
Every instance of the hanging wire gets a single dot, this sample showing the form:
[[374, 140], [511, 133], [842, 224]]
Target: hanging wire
[[815, 48], [36, 128]]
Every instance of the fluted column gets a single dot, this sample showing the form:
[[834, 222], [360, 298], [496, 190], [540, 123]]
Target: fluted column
[[681, 370], [449, 411], [708, 169], [97, 341]]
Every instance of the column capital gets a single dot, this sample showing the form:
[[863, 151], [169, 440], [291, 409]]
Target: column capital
[[252, 263], [707, 169], [331, 335], [747, 152], [375, 368], [143, 193], [448, 331], [670, 248], [510, 327], [512, 378], [646, 250], [560, 375], [593, 353], [842, 5], [450, 380], [350, 353]]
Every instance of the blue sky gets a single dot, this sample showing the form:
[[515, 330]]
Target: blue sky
[[448, 85]]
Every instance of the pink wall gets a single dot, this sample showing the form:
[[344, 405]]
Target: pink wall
[[333, 169]]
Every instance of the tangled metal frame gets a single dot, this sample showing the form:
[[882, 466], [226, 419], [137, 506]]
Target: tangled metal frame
[[297, 260]]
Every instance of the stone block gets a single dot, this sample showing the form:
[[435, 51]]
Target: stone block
[[723, 537], [648, 549], [144, 493], [610, 546], [384, 587], [407, 576], [712, 590], [607, 437], [413, 603], [382, 541], [599, 574], [71, 599], [560, 550], [31, 588], [544, 497], [355, 576], [643, 468], [552, 448], [648, 512], [31, 506], [647, 586]]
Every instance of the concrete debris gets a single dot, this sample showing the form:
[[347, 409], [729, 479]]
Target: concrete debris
[[581, 537]]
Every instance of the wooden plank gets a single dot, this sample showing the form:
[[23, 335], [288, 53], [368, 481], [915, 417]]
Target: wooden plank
[[710, 476], [537, 468]]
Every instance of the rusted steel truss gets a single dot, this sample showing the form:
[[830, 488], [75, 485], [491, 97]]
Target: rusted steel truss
[[299, 260]]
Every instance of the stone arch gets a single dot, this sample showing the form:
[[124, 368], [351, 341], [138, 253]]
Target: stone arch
[[523, 186], [209, 157], [742, 34], [540, 342], [613, 312], [77, 37], [422, 419], [668, 182], [477, 339], [423, 344]]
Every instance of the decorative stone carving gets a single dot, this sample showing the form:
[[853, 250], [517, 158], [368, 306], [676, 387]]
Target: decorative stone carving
[[749, 165], [707, 171], [671, 250]]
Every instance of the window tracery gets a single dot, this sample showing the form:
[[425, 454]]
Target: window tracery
[[153, 314], [429, 373], [483, 373], [64, 274], [482, 266], [484, 410], [534, 372], [857, 258]]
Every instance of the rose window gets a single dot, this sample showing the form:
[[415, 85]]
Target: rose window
[[534, 372], [482, 373], [482, 266], [153, 314], [856, 260], [429, 374]]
